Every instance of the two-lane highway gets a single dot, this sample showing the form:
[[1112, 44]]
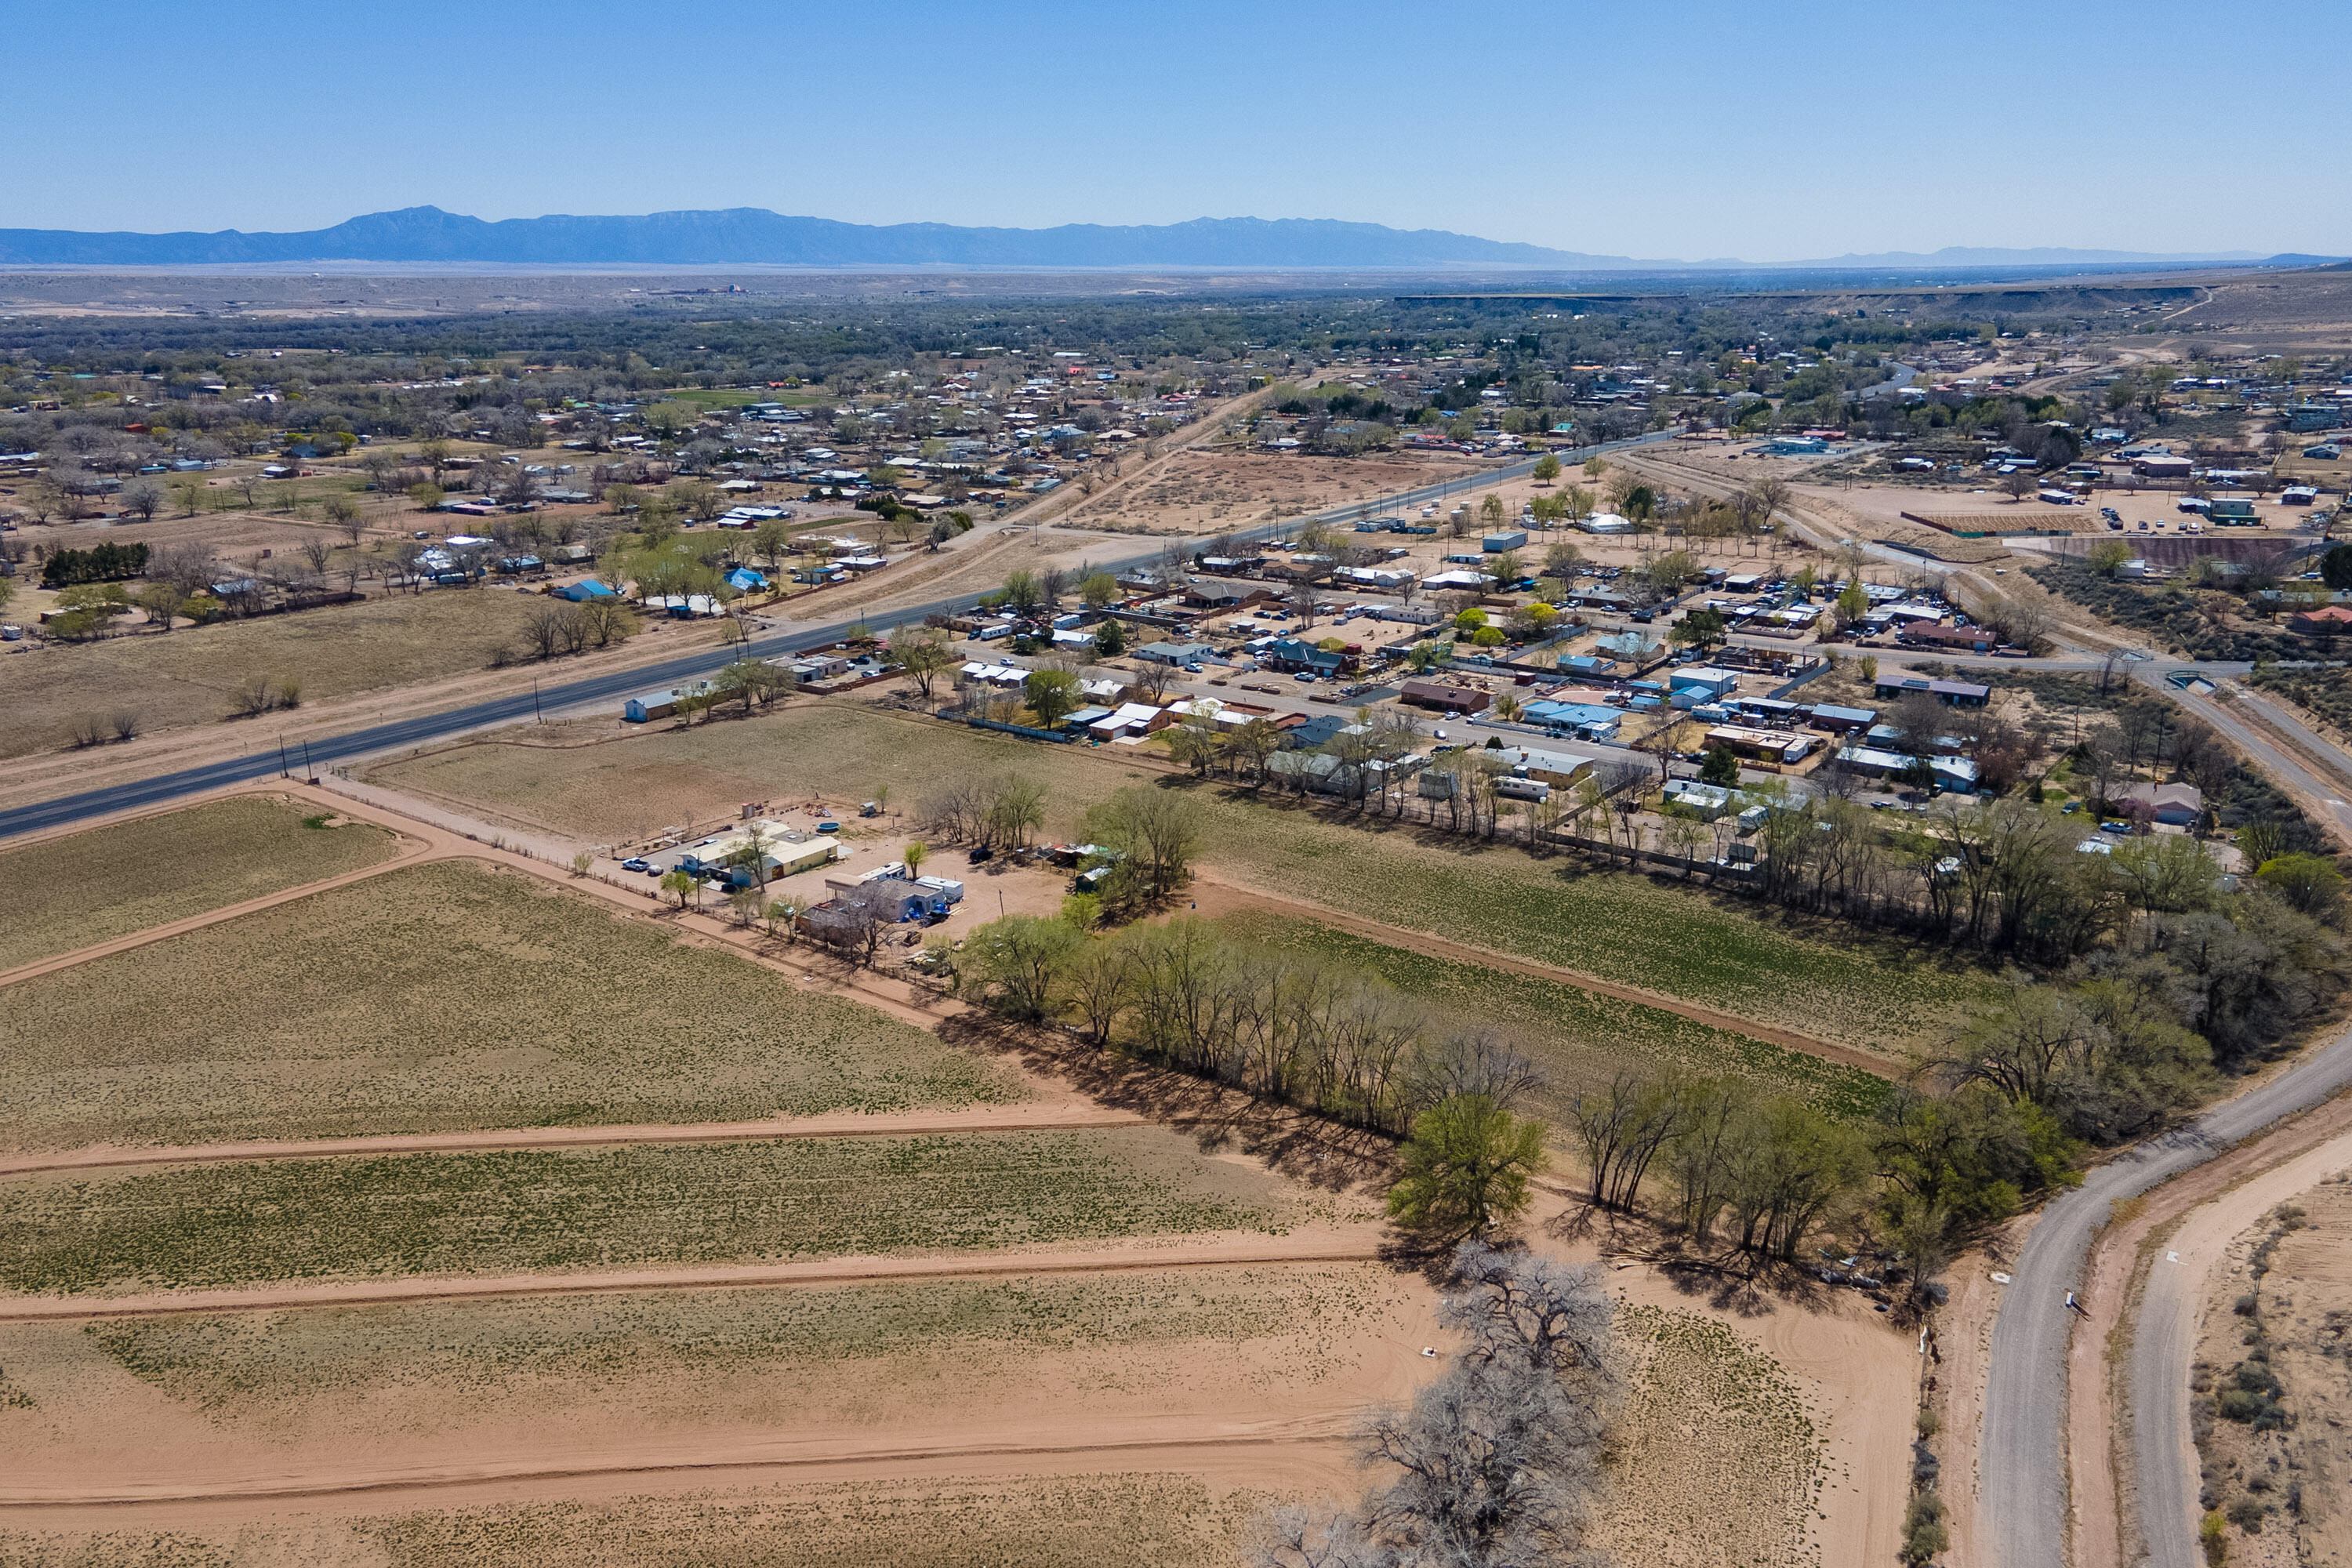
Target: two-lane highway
[[425, 728]]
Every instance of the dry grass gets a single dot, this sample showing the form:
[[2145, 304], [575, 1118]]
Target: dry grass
[[1131, 1521], [187, 677], [438, 997], [74, 892], [710, 1358], [1719, 1464], [201, 1227], [662, 775]]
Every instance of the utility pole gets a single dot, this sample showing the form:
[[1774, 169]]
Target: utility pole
[[307, 770], [282, 770], [536, 717]]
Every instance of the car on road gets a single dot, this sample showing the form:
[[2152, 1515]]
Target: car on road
[[636, 863], [1642, 617]]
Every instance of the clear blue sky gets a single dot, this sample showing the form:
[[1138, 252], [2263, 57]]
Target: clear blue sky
[[1760, 131]]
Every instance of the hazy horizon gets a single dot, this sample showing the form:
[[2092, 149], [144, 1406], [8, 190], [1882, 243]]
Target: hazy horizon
[[1709, 132]]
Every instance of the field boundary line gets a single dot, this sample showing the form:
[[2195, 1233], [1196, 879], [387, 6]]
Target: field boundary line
[[1323, 1246], [509, 1474], [414, 851], [913, 1124], [1470, 952]]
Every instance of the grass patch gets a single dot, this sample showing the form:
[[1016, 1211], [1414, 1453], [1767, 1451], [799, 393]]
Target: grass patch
[[189, 676], [1580, 1038], [88, 887], [713, 1347], [439, 997], [209, 1226], [1857, 987], [1720, 1462], [1135, 1520]]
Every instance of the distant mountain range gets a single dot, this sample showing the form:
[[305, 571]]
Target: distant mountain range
[[753, 236]]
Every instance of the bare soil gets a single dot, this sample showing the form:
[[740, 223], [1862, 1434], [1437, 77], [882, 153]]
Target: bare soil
[[1203, 492]]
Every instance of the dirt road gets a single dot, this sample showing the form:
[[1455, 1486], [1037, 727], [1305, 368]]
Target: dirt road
[[2024, 1493], [1323, 1244]]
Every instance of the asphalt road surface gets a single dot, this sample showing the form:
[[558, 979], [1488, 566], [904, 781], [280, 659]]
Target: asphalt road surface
[[322, 753], [2022, 1509]]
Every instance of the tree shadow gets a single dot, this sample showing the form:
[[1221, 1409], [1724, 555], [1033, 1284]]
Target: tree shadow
[[1315, 1152]]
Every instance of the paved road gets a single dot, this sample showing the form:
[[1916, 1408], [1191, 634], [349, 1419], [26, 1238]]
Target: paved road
[[608, 689], [2022, 1507]]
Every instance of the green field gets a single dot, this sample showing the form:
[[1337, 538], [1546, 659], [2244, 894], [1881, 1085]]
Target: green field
[[444, 996], [195, 1227], [77, 891], [1837, 983], [1579, 1039], [1856, 987], [712, 1350]]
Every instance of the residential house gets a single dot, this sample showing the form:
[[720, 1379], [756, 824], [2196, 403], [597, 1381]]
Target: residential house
[[1444, 696], [1952, 693], [1175, 652], [2176, 805]]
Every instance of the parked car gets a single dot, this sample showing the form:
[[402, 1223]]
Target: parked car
[[635, 863]]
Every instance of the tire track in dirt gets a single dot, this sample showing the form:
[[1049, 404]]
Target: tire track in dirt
[[983, 1119], [412, 851], [1324, 1432], [1321, 1245], [1232, 895]]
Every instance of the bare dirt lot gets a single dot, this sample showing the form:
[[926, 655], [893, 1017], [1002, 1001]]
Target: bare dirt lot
[[1202, 492]]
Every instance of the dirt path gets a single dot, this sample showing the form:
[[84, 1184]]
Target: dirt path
[[1321, 1244], [1093, 1441], [2125, 1274], [1218, 896], [412, 851], [1028, 1117]]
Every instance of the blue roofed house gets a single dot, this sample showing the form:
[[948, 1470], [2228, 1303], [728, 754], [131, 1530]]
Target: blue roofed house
[[743, 580], [581, 592]]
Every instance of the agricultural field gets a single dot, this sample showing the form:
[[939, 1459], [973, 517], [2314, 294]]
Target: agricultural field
[[1148, 1520], [1858, 988], [73, 892], [1579, 1039], [1853, 987], [195, 1227], [438, 997], [1720, 1463], [716, 1357], [188, 677]]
